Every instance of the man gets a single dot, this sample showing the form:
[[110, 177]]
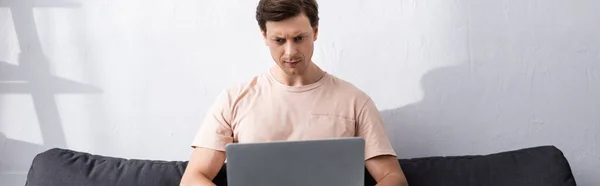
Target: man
[[293, 100]]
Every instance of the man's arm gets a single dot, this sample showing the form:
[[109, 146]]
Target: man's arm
[[203, 166], [208, 156], [386, 171], [381, 159]]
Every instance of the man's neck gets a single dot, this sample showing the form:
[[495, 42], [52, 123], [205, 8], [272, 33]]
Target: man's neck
[[312, 74]]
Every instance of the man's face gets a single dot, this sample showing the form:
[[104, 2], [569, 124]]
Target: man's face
[[291, 43]]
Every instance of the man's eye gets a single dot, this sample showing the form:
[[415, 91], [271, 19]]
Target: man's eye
[[299, 38], [279, 40]]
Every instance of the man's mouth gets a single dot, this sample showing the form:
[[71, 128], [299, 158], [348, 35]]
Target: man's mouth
[[292, 62]]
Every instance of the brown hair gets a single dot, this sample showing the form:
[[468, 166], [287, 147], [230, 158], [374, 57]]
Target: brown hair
[[278, 10]]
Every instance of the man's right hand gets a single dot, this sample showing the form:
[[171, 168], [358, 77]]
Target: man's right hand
[[203, 166]]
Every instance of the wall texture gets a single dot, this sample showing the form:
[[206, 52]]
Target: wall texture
[[133, 78]]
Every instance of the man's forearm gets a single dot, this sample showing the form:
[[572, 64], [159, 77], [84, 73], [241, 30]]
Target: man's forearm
[[392, 180], [197, 180]]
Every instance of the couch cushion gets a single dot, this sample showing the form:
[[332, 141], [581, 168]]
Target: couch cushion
[[538, 166], [62, 167]]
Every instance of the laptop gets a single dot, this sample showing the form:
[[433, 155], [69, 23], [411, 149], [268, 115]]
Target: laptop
[[330, 162]]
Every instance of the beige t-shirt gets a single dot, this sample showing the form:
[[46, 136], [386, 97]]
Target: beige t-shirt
[[265, 110]]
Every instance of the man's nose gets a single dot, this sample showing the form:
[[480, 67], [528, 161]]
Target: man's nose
[[290, 49]]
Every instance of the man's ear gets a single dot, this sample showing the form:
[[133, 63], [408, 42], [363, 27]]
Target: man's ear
[[264, 35], [316, 32]]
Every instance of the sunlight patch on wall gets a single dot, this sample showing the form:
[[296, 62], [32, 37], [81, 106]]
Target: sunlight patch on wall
[[18, 120]]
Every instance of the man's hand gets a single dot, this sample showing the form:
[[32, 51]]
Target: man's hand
[[386, 171], [202, 168]]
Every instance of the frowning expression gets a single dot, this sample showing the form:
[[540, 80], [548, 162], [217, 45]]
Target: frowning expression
[[291, 43]]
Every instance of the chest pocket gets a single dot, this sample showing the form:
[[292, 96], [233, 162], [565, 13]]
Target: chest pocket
[[329, 126]]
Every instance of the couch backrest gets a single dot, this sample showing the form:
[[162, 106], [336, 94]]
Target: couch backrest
[[62, 167], [538, 166]]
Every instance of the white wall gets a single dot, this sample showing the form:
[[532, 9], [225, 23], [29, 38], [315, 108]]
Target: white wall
[[133, 78]]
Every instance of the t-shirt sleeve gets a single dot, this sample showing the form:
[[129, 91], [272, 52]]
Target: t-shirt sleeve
[[215, 131], [371, 128]]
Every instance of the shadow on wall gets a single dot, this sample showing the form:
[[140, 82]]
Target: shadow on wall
[[32, 76], [42, 87], [488, 107], [528, 80]]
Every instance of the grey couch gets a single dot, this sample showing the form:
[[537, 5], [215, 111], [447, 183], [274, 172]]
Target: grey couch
[[536, 166]]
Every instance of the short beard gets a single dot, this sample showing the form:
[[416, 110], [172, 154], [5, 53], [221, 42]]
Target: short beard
[[296, 71]]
